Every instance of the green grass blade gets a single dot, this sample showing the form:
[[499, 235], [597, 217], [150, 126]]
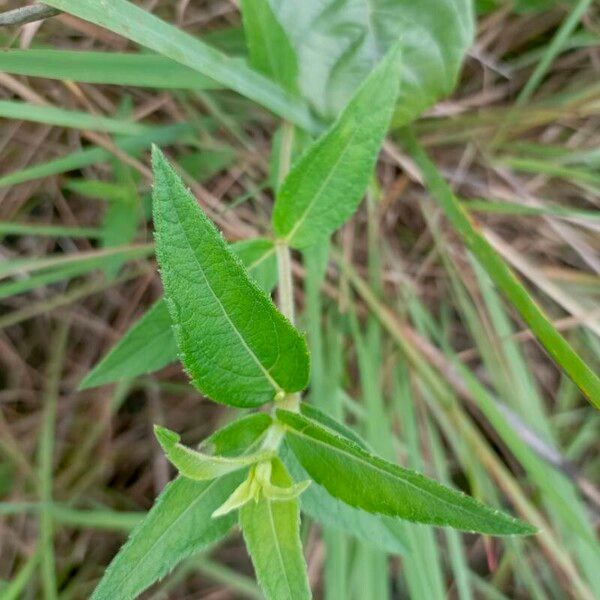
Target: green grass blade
[[12, 228], [93, 259], [16, 588], [116, 68], [554, 343], [148, 30], [84, 158], [46, 462], [50, 115]]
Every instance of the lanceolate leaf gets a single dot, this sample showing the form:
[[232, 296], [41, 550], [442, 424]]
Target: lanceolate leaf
[[198, 466], [271, 532], [178, 525], [368, 482], [338, 43], [270, 50], [312, 412], [150, 344], [378, 531], [235, 345], [327, 183]]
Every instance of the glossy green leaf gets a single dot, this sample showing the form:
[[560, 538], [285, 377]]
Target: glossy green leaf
[[378, 531], [268, 45], [150, 344], [338, 43], [366, 481], [62, 117], [326, 185], [236, 346], [147, 346], [198, 466], [271, 533], [90, 156], [178, 525], [142, 27]]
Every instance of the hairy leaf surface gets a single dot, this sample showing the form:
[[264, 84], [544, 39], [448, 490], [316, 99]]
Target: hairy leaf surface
[[271, 533], [150, 344], [316, 414], [338, 43], [178, 525], [236, 346], [366, 481], [378, 531], [326, 185]]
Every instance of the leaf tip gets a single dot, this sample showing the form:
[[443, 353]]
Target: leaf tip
[[86, 383], [166, 438]]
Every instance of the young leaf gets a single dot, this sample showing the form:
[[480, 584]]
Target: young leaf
[[368, 482], [246, 491], [270, 50], [198, 466], [271, 533], [148, 346], [339, 43], [237, 437], [378, 531], [178, 525], [325, 186], [236, 346]]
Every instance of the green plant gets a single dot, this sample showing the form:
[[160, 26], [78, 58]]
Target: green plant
[[238, 349], [217, 315]]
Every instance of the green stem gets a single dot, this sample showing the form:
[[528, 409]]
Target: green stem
[[285, 286]]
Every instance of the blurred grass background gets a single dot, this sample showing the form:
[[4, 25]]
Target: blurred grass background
[[411, 342]]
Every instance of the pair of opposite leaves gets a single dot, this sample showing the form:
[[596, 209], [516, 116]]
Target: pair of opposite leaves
[[249, 351], [237, 348], [240, 350]]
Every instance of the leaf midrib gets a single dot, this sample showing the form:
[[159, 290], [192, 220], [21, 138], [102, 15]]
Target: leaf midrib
[[289, 237], [189, 507], [249, 350], [279, 553], [387, 473]]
